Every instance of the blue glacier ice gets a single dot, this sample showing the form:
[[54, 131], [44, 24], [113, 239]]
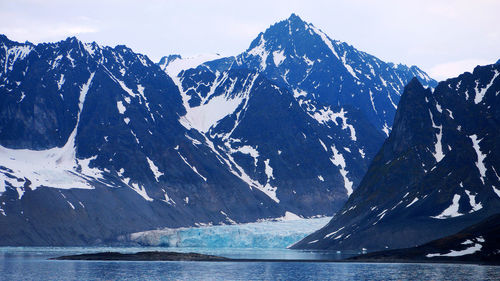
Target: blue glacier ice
[[266, 234]]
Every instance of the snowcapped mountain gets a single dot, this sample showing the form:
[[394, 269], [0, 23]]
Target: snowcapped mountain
[[305, 138], [99, 142], [325, 72], [92, 147], [437, 173]]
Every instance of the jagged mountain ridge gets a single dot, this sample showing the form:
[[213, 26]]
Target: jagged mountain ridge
[[325, 72], [436, 173]]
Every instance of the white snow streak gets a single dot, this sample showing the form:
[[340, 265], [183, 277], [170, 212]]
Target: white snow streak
[[338, 160], [472, 201], [192, 167], [481, 92], [412, 202], [154, 169], [480, 157], [438, 147]]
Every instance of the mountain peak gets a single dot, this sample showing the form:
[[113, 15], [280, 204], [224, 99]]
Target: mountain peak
[[414, 85], [72, 39], [295, 23], [294, 17]]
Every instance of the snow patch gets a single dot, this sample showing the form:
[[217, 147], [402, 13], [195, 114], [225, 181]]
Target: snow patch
[[121, 107], [60, 82], [471, 250], [362, 153], [260, 51], [208, 114], [472, 201], [326, 115], [56, 167], [481, 92], [480, 157], [192, 167], [452, 210], [338, 160], [268, 170], [412, 202], [333, 233], [141, 191], [385, 129], [278, 57], [297, 93], [154, 169], [249, 150], [438, 147], [289, 216]]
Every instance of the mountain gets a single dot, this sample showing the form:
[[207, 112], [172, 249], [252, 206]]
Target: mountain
[[308, 147], [92, 148], [99, 142], [325, 72], [475, 244], [436, 174]]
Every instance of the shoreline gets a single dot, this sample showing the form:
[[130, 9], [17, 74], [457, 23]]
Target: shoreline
[[177, 256]]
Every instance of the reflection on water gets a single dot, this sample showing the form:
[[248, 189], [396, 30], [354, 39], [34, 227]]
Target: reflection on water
[[33, 264]]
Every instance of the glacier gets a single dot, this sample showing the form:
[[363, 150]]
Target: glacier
[[264, 234]]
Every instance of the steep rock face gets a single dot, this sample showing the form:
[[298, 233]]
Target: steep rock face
[[436, 173]]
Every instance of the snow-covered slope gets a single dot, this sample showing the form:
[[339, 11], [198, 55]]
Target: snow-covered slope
[[437, 173]]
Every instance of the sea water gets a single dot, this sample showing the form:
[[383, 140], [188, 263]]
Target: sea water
[[33, 263], [262, 240]]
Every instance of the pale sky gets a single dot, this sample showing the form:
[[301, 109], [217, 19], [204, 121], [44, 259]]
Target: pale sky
[[444, 38]]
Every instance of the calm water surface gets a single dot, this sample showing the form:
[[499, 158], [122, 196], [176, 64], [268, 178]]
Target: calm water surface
[[33, 264]]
